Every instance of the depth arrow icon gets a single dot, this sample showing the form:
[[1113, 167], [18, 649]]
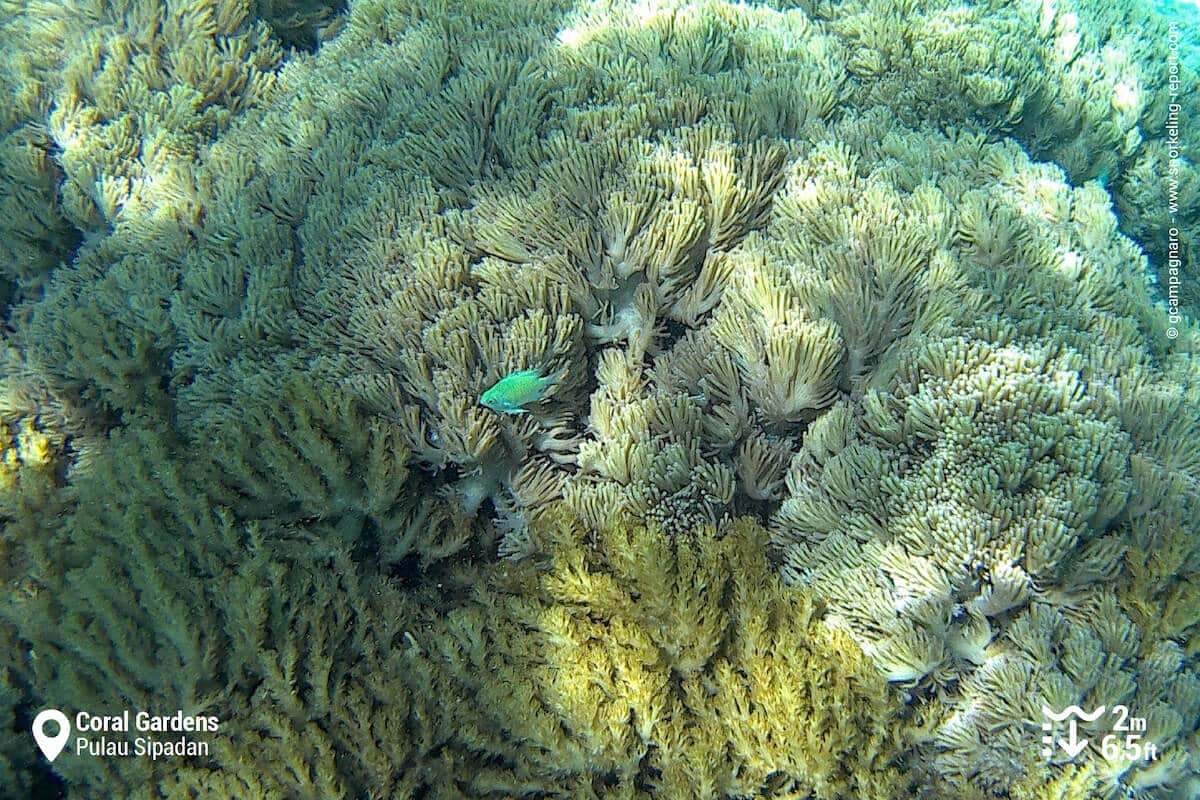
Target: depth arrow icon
[[1073, 746]]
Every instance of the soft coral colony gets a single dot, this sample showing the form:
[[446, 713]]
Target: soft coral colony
[[722, 393]]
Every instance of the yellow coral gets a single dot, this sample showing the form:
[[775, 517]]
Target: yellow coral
[[680, 665]]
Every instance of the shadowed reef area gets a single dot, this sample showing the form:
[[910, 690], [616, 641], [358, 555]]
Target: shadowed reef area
[[866, 418]]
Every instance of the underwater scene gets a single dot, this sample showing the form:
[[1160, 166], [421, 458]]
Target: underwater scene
[[599, 399]]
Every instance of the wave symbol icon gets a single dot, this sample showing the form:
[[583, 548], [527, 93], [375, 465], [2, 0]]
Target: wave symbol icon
[[1073, 711]]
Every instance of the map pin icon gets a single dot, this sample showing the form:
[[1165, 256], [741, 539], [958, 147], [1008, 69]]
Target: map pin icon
[[51, 746]]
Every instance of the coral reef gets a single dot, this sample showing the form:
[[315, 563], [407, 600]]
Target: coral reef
[[640, 663], [856, 272], [300, 23], [122, 95], [1091, 86], [966, 512], [664, 666], [303, 455], [146, 595]]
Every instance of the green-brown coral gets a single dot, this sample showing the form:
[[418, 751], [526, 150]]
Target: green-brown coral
[[793, 261]]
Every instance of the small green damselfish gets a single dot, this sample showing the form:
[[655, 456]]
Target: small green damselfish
[[518, 389]]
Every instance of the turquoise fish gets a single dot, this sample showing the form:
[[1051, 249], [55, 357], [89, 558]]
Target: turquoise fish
[[517, 389]]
